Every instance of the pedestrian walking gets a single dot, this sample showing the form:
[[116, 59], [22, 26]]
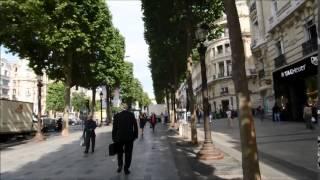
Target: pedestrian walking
[[260, 111], [276, 112], [198, 113], [124, 132], [307, 116], [89, 134], [153, 121], [142, 120], [229, 116], [162, 118]]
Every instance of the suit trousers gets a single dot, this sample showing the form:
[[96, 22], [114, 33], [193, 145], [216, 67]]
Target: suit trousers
[[90, 137], [126, 148]]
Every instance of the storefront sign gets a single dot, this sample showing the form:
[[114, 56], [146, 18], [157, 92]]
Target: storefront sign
[[303, 68], [293, 71]]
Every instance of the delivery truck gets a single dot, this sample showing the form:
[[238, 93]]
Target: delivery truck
[[16, 118]]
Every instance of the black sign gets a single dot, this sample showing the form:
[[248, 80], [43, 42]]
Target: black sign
[[302, 68]]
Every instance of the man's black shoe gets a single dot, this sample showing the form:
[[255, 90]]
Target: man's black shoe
[[119, 169], [92, 151], [86, 152], [126, 171]]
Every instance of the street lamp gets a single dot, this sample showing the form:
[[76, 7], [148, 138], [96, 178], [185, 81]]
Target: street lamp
[[101, 96], [208, 151], [39, 135]]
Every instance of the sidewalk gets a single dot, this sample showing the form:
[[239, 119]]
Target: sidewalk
[[62, 158], [287, 150]]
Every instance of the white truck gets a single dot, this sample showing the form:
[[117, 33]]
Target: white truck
[[16, 118], [157, 109]]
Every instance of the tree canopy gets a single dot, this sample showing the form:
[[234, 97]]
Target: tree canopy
[[55, 96]]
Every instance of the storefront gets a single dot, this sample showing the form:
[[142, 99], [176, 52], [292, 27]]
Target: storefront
[[294, 85]]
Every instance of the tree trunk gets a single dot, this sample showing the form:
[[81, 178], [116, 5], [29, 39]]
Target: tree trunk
[[168, 104], [204, 91], [93, 102], [190, 95], [67, 88], [250, 160], [318, 112], [108, 102], [191, 100]]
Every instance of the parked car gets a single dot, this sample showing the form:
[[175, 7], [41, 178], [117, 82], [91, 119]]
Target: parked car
[[48, 124]]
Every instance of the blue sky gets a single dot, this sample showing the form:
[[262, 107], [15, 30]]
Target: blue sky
[[127, 17]]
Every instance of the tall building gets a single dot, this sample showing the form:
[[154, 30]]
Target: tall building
[[19, 82], [284, 46], [5, 70], [222, 95]]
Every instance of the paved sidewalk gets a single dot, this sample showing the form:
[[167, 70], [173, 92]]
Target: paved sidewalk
[[62, 158], [287, 150]]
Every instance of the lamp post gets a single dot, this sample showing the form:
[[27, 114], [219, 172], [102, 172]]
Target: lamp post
[[101, 96], [39, 135], [208, 151]]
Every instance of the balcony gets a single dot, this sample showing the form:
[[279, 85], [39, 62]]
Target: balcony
[[261, 74], [279, 61], [309, 47]]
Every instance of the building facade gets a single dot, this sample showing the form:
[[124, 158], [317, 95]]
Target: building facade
[[5, 70], [284, 46], [222, 95]]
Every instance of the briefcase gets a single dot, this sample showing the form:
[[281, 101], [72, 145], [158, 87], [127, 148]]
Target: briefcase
[[113, 149]]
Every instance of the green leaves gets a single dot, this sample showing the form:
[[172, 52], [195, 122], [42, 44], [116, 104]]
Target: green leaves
[[78, 101], [55, 96]]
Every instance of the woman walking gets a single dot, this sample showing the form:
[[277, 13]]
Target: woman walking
[[153, 121], [142, 119], [307, 115]]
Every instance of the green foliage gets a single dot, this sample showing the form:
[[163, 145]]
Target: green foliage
[[169, 30], [79, 100], [55, 96]]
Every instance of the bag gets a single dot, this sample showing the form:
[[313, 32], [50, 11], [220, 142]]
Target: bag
[[313, 119], [113, 149], [82, 142]]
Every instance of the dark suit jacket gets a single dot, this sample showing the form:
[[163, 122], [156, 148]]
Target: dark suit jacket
[[89, 127], [125, 127]]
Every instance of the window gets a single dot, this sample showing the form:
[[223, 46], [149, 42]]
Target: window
[[5, 92], [279, 47], [224, 90], [5, 82], [227, 47], [16, 69], [221, 70], [220, 49], [5, 73], [229, 68], [14, 91], [311, 30]]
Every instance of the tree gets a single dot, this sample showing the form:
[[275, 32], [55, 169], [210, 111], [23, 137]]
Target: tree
[[250, 158], [78, 101], [61, 37], [55, 97], [170, 25]]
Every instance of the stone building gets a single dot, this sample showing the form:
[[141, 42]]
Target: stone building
[[284, 46], [221, 89]]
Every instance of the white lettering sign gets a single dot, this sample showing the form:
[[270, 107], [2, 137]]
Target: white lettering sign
[[293, 71], [314, 60]]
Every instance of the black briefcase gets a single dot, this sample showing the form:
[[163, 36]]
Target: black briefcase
[[113, 149]]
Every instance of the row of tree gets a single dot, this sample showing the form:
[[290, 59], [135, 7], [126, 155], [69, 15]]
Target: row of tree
[[73, 42], [170, 27]]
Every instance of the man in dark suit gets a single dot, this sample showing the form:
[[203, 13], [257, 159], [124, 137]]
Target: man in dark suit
[[124, 132], [89, 134]]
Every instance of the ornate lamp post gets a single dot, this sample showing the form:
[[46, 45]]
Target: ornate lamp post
[[101, 96], [39, 135], [208, 151]]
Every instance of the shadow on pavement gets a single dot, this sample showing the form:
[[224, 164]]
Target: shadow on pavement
[[66, 162], [189, 167], [280, 146]]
